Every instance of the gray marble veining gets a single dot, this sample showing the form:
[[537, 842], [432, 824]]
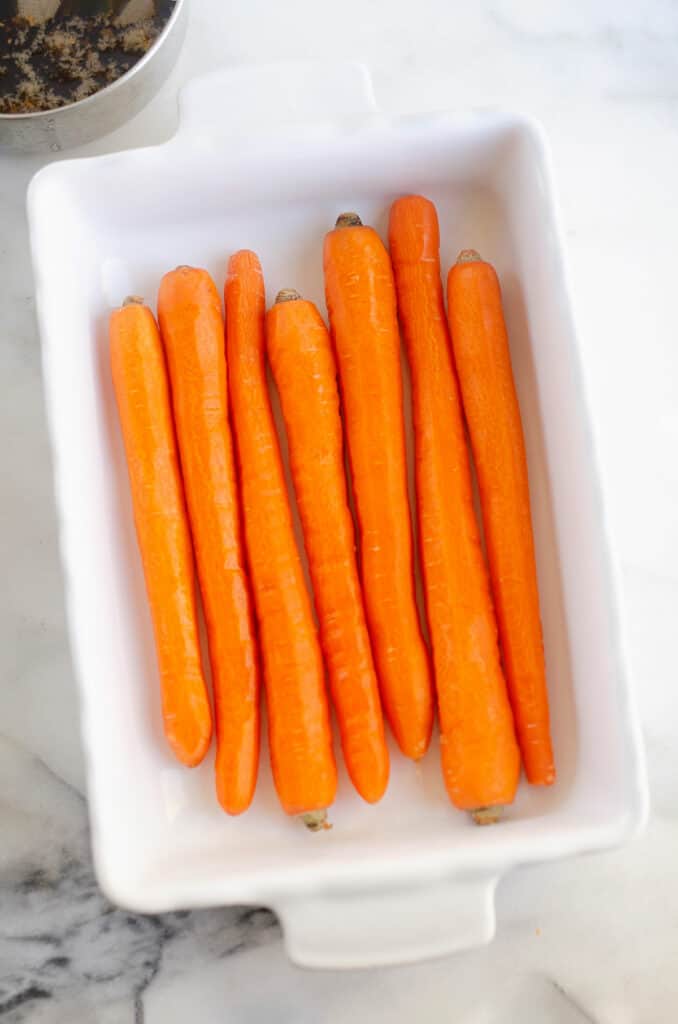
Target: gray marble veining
[[59, 935]]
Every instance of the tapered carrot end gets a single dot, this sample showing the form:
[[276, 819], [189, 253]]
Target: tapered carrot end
[[538, 760], [245, 265], [233, 803], [191, 750], [487, 815], [186, 272], [414, 739], [412, 199], [413, 231], [244, 258], [469, 256], [348, 220], [316, 821], [541, 776]]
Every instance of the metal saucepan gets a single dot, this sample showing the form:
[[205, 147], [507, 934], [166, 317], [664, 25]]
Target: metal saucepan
[[103, 111]]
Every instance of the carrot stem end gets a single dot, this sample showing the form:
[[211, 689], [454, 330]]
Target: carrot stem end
[[348, 220], [316, 821], [487, 815], [469, 256], [287, 295]]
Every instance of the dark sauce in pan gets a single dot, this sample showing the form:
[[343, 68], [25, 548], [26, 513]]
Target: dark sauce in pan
[[70, 56]]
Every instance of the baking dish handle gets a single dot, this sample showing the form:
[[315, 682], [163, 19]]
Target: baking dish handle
[[370, 929], [249, 100]]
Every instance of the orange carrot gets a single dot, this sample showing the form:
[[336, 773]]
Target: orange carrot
[[193, 334], [481, 762], [483, 360], [142, 395], [300, 736], [300, 353], [362, 306]]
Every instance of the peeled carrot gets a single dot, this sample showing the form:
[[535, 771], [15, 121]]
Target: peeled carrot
[[193, 334], [300, 353], [362, 306], [483, 360], [300, 738], [481, 761], [142, 396]]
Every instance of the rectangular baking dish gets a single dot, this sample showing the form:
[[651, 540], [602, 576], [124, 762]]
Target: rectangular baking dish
[[266, 158]]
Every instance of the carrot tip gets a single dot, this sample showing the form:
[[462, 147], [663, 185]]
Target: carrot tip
[[316, 821], [487, 815], [469, 256], [134, 300], [287, 295], [348, 220], [546, 779]]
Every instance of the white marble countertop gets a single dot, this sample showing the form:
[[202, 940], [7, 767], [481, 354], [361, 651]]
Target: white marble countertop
[[594, 939]]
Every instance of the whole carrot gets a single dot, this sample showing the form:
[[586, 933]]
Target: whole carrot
[[481, 762], [362, 306], [300, 736], [193, 334], [142, 396], [483, 361], [300, 353]]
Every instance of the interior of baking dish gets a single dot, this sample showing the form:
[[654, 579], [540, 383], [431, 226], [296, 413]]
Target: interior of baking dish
[[102, 228]]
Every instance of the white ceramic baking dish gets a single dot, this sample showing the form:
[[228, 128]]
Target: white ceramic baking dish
[[266, 158]]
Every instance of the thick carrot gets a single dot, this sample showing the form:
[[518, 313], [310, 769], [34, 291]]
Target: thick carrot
[[300, 353], [192, 329], [362, 306], [142, 395], [483, 361], [300, 736], [481, 762]]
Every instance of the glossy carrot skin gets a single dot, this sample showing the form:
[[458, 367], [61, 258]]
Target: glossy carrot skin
[[142, 395], [300, 739], [362, 307], [192, 330], [482, 356], [300, 353], [481, 761]]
